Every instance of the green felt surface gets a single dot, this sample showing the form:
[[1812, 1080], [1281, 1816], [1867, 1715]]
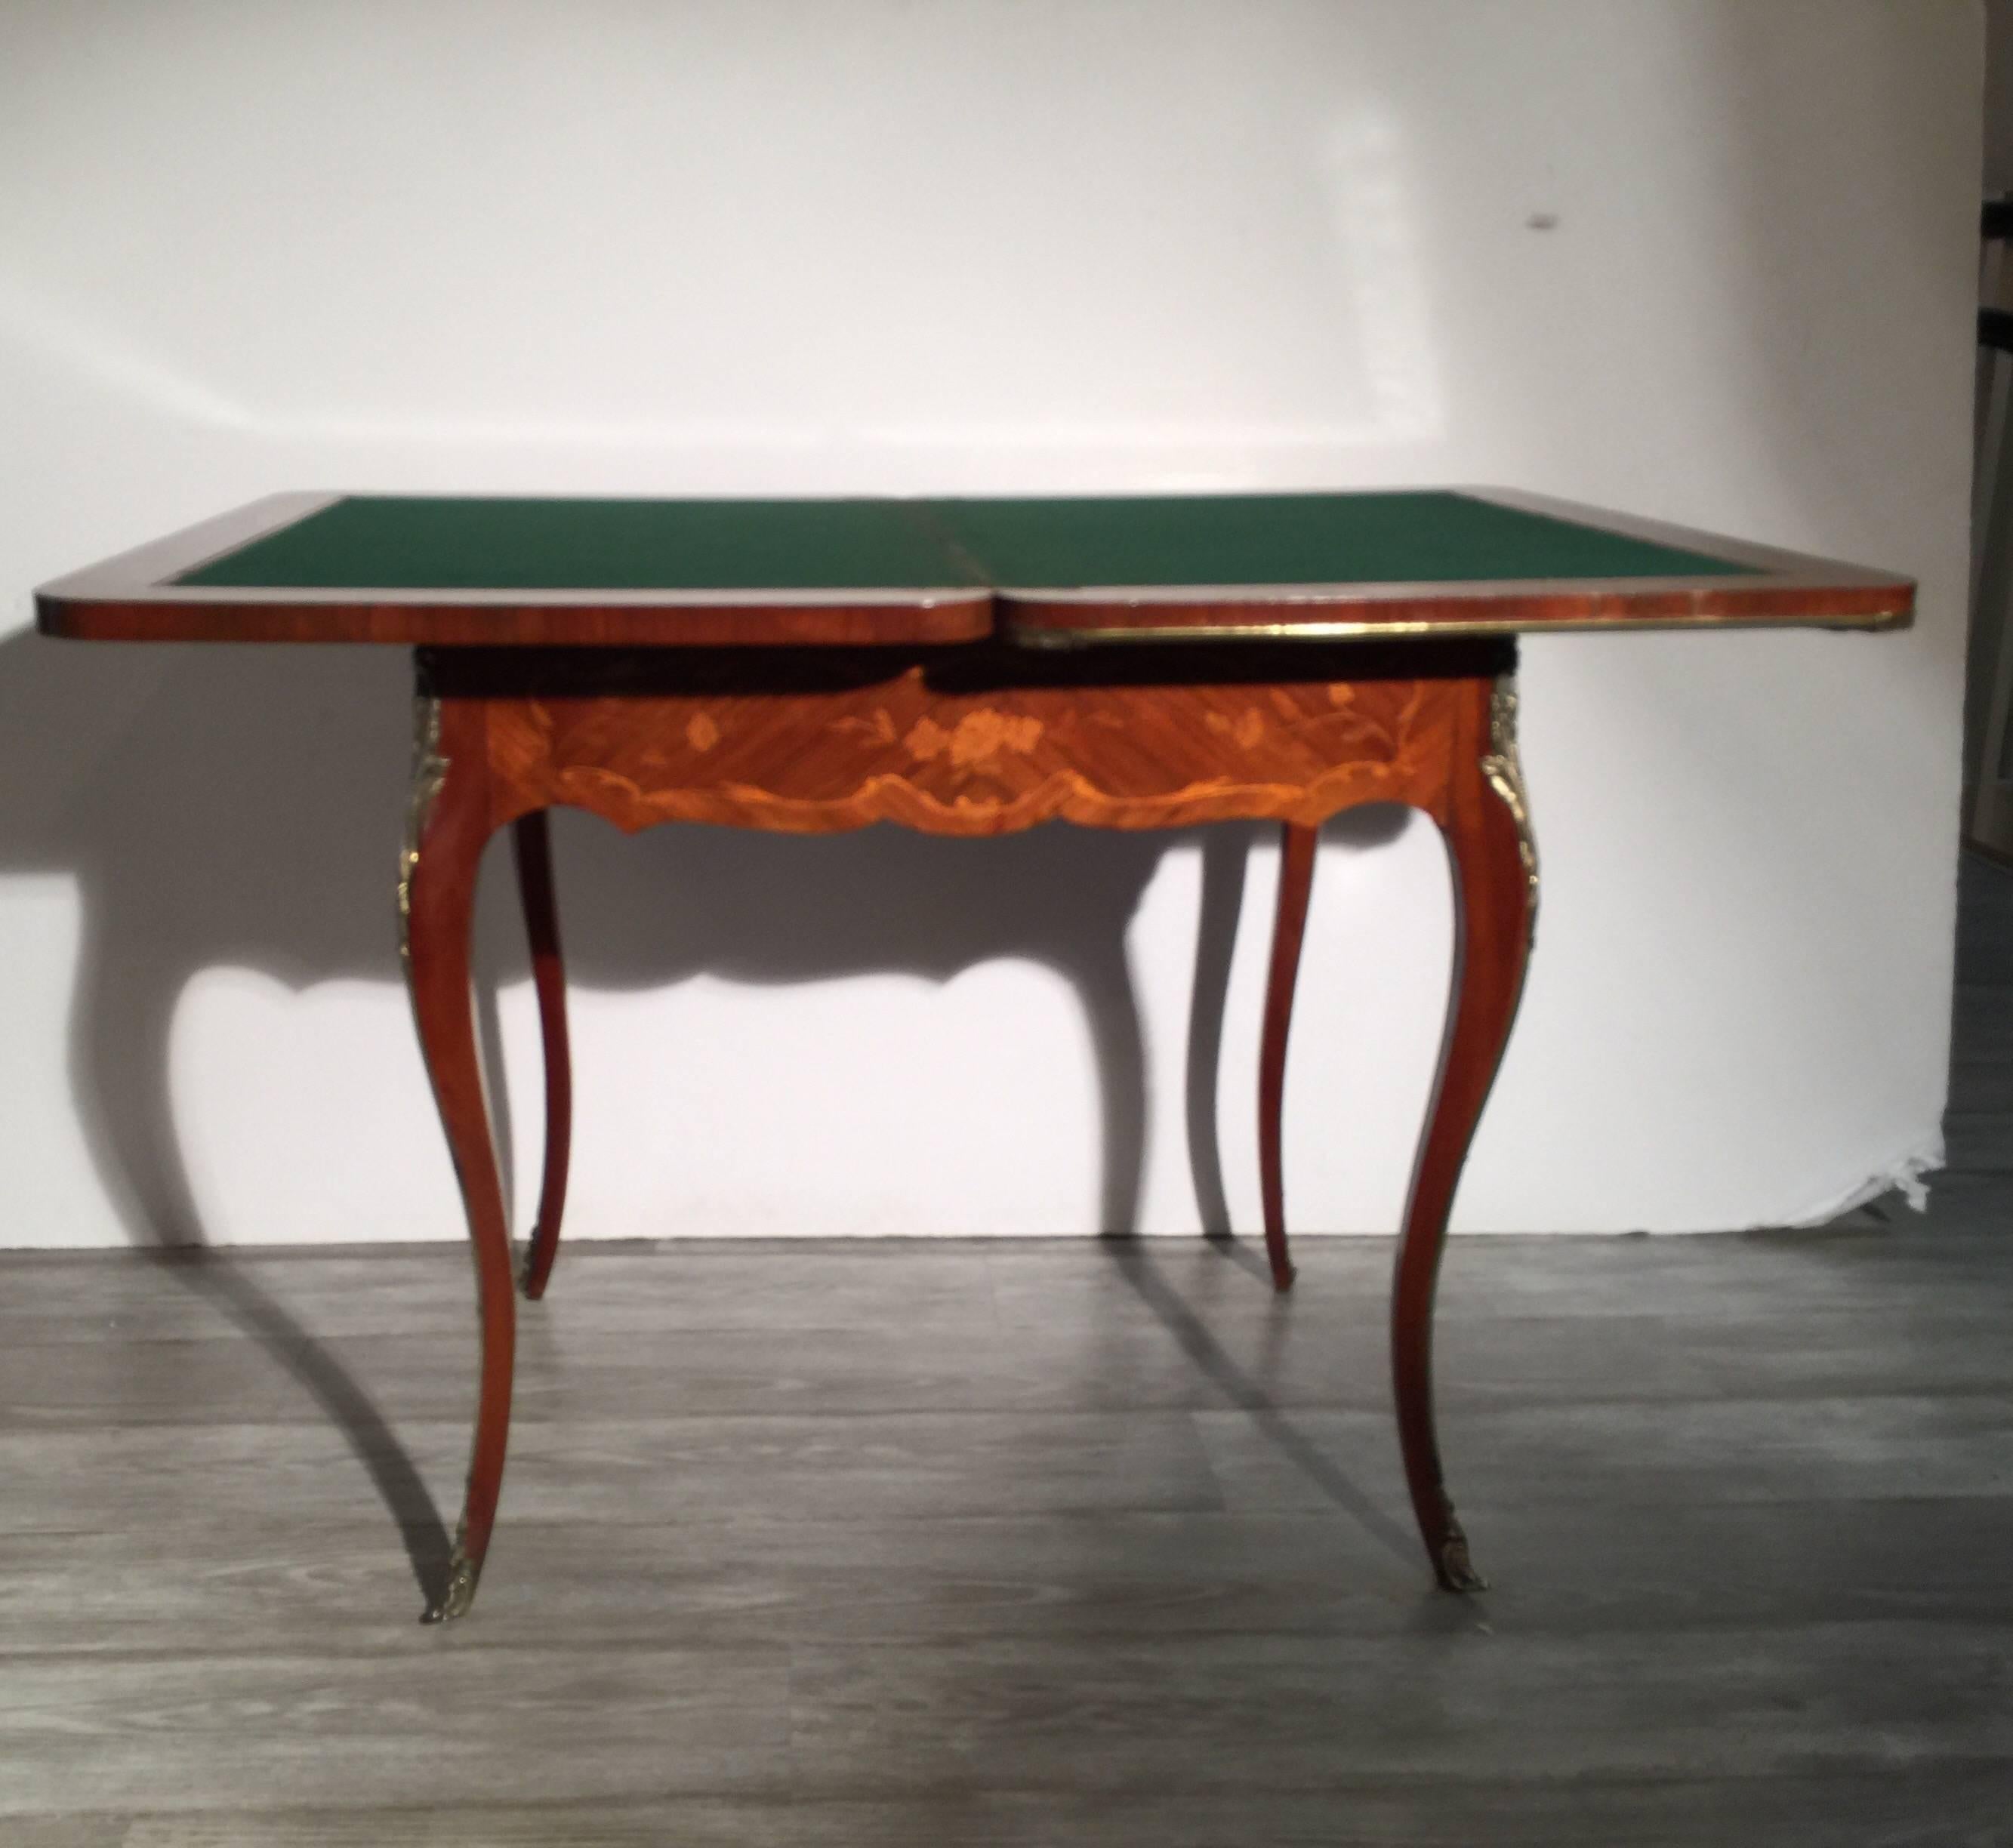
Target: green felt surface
[[412, 543], [435, 544], [1295, 539]]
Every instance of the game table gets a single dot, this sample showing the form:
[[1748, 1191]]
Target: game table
[[966, 667]]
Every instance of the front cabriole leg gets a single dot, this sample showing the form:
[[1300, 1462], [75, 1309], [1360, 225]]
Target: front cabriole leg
[[447, 824], [1494, 856]]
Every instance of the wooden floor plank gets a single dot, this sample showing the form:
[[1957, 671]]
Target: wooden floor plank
[[1695, 1281], [349, 1589], [1942, 1806], [937, 1466], [755, 1285], [1305, 1354], [431, 1722], [1306, 1715], [1832, 1450], [924, 1465]]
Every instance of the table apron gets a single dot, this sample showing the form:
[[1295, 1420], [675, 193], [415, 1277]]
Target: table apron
[[982, 762]]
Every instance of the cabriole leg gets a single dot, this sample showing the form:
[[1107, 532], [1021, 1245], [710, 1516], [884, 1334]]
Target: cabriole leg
[[447, 827], [531, 843], [1495, 870], [1297, 879]]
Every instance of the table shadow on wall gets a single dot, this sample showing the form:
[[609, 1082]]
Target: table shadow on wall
[[242, 807]]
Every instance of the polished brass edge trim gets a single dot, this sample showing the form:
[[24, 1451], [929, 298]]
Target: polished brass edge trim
[[1033, 636], [1503, 765]]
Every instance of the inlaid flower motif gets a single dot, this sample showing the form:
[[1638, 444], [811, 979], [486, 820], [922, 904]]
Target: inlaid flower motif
[[979, 736], [701, 733]]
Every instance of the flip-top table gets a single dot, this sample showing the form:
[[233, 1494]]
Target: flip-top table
[[962, 667]]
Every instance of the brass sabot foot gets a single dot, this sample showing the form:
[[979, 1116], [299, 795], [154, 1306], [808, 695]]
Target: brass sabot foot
[[459, 1592], [1455, 1569]]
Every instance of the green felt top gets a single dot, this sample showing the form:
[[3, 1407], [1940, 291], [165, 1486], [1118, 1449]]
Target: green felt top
[[1295, 539], [414, 543], [506, 544]]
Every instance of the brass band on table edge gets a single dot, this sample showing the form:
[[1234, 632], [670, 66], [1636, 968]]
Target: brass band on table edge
[[1042, 636]]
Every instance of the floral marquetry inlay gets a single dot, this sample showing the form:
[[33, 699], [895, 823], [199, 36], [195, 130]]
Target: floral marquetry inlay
[[980, 737], [945, 762]]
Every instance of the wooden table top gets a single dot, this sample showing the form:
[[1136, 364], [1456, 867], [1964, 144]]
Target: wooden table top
[[495, 570]]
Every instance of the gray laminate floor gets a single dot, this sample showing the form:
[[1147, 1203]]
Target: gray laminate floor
[[1038, 1544]]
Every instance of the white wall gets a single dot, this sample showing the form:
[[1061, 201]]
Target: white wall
[[1708, 261]]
